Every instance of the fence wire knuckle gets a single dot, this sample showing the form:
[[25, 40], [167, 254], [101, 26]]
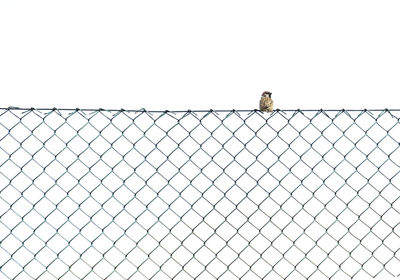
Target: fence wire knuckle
[[213, 194]]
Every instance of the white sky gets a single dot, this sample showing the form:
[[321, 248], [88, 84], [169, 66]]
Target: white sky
[[181, 54]]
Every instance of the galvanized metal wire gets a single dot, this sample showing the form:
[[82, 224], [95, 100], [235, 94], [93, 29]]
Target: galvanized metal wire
[[206, 194]]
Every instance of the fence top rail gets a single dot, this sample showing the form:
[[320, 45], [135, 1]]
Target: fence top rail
[[194, 111]]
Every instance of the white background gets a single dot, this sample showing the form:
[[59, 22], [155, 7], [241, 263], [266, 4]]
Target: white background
[[199, 54]]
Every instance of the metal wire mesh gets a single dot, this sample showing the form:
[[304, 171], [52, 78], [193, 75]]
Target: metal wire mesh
[[102, 194]]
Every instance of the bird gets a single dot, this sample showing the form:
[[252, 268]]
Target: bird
[[266, 103]]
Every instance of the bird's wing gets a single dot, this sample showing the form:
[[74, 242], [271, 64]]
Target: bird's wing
[[263, 102]]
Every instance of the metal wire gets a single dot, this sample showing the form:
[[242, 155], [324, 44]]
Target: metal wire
[[198, 111], [205, 194]]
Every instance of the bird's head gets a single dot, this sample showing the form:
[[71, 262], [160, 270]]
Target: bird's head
[[266, 94]]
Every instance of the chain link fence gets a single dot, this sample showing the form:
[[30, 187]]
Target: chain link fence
[[116, 194]]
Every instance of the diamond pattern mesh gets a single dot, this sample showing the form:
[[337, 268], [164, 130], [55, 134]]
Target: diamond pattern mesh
[[97, 194]]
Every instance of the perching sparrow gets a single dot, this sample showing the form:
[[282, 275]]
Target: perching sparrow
[[266, 103]]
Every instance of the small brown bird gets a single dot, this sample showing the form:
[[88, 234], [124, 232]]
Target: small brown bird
[[266, 103]]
